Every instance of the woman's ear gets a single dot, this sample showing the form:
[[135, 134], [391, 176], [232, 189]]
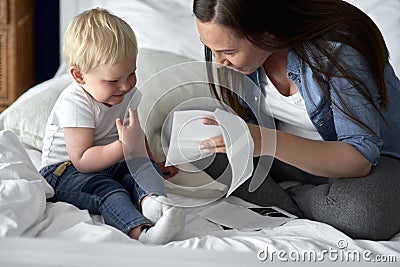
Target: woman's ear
[[77, 75]]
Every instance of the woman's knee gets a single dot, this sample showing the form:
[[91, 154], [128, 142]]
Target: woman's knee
[[354, 210], [360, 216], [362, 221]]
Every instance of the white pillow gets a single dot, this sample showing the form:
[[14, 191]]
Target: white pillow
[[164, 80], [27, 116]]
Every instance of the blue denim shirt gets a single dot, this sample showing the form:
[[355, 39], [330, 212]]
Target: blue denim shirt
[[329, 121]]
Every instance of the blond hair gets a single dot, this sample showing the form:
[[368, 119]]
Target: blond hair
[[96, 37]]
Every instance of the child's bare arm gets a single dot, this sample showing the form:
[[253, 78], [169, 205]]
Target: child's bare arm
[[85, 156]]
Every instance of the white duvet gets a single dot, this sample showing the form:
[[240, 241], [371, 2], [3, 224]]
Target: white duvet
[[24, 212]]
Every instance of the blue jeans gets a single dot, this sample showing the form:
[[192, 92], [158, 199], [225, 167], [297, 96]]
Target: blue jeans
[[115, 193]]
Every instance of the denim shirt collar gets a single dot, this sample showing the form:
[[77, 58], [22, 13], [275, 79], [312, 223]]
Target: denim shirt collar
[[255, 77], [294, 63]]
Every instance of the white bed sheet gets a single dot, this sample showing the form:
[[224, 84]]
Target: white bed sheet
[[34, 218], [24, 213]]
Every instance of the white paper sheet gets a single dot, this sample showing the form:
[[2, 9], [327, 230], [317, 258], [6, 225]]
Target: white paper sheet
[[241, 218], [188, 131], [239, 147]]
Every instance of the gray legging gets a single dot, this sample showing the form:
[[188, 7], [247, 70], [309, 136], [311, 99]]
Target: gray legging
[[363, 208]]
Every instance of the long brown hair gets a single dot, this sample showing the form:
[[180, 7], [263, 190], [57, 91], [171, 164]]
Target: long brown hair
[[307, 27]]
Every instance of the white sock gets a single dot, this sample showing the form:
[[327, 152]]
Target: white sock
[[167, 227], [153, 208]]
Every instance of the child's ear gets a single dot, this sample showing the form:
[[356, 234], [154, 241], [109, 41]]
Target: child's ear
[[77, 75]]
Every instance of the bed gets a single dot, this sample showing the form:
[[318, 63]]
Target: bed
[[36, 233]]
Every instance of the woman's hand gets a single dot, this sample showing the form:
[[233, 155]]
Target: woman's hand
[[167, 171], [215, 144]]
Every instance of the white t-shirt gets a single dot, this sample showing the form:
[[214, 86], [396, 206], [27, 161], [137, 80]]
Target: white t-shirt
[[76, 108], [289, 111]]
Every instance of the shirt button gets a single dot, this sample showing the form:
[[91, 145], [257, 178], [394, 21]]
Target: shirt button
[[255, 98], [299, 80]]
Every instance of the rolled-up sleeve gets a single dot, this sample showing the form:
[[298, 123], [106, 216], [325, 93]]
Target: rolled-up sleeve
[[348, 99]]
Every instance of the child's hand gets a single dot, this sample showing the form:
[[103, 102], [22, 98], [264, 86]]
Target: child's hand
[[131, 134], [169, 171]]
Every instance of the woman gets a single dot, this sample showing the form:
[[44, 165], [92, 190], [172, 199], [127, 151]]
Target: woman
[[324, 69]]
